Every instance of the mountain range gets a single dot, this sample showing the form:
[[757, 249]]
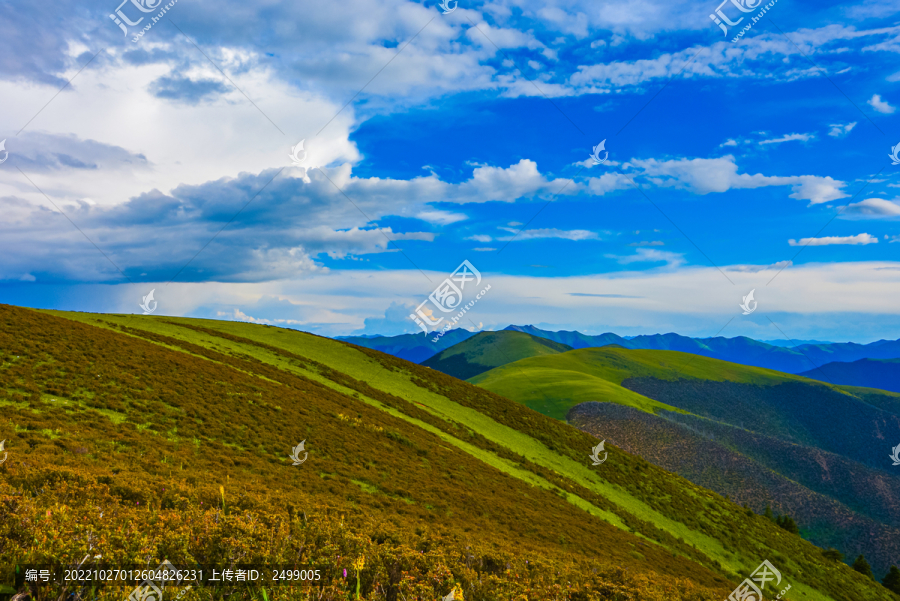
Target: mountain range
[[809, 449], [800, 358]]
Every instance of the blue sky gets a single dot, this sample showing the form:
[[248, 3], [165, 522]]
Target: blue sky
[[761, 164]]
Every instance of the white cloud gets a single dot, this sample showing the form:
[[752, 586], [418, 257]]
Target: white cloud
[[550, 233], [651, 255], [441, 217], [703, 176], [481, 237], [839, 130], [788, 138], [484, 249], [829, 240], [608, 182], [760, 268], [882, 106], [874, 206]]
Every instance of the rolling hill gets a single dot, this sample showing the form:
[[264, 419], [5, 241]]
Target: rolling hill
[[814, 450], [139, 438], [487, 350], [870, 373]]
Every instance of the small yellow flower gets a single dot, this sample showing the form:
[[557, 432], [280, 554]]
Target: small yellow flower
[[360, 563], [458, 593]]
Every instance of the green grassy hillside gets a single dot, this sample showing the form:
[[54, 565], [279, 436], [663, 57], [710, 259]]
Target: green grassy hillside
[[143, 438], [487, 350], [830, 443]]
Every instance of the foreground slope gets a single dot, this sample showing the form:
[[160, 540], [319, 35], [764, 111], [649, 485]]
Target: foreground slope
[[433, 480]]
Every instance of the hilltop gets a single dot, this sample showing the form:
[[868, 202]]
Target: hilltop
[[487, 350], [148, 437]]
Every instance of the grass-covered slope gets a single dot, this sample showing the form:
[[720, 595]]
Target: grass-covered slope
[[842, 420], [122, 429], [871, 373], [817, 451], [487, 350]]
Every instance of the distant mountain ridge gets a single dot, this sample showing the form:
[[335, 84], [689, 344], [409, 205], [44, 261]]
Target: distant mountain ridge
[[743, 350], [871, 373], [803, 358], [412, 347]]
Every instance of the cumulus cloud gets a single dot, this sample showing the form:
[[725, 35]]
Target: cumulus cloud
[[882, 106], [703, 176], [876, 207], [829, 240]]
